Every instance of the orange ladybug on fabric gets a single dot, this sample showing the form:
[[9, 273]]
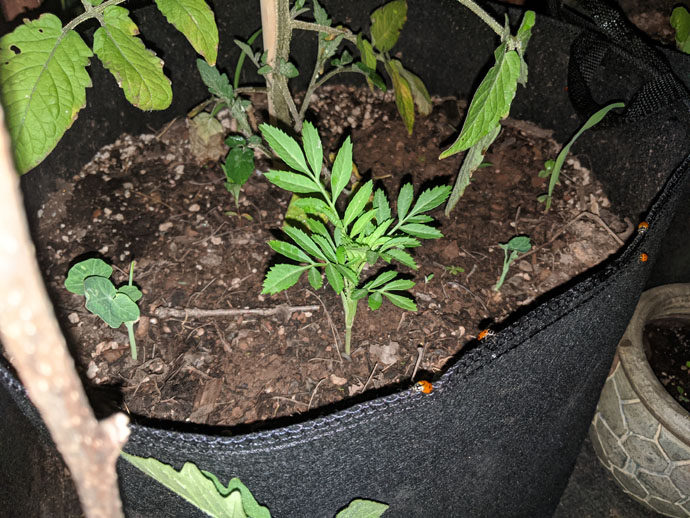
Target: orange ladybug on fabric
[[642, 227], [423, 386], [485, 334]]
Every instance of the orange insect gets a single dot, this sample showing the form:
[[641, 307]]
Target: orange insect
[[485, 334], [642, 227], [423, 386], [643, 257]]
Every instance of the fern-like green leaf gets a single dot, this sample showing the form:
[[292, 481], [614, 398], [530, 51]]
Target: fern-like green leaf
[[43, 83], [283, 276], [137, 70]]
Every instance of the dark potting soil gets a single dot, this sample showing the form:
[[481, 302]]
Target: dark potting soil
[[147, 198], [669, 346]]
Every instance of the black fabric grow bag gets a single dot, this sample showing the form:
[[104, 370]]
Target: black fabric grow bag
[[500, 433]]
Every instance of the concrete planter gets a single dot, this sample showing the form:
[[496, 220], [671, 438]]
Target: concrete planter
[[640, 432]]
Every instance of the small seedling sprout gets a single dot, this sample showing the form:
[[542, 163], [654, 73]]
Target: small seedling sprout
[[511, 249]]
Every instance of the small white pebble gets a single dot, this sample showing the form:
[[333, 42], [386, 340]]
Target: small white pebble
[[73, 318], [164, 227], [194, 207]]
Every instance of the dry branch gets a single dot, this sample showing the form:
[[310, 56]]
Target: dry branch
[[37, 349], [230, 312]]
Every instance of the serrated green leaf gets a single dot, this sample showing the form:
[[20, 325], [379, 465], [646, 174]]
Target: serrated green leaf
[[386, 23], [218, 84], [202, 489], [375, 300], [366, 51], [471, 162], [344, 59], [239, 165], [405, 200], [383, 278], [132, 292], [491, 101], [420, 94], [287, 69], [282, 276], [347, 273], [430, 199], [74, 282], [43, 83], [304, 241], [379, 231], [103, 300], [137, 70], [293, 182], [319, 207], [194, 19], [680, 21], [402, 302], [383, 208], [400, 241], [317, 227], [326, 247], [403, 94], [359, 293], [399, 285], [361, 223], [285, 147], [335, 278], [360, 508], [342, 169], [357, 203], [290, 251], [248, 51], [315, 279], [312, 147], [402, 257], [420, 218], [320, 15], [421, 231]]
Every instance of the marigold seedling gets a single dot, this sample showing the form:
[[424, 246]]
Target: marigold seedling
[[349, 241]]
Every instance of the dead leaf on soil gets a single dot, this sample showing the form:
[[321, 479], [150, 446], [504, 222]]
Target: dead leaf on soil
[[385, 354]]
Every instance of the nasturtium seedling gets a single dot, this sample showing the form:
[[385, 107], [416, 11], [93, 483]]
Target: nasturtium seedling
[[342, 243], [115, 306]]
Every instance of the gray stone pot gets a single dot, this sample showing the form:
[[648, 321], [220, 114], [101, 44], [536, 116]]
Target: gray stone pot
[[640, 432]]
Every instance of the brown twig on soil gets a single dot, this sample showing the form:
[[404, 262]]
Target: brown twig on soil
[[37, 349], [421, 349], [185, 313], [371, 375], [313, 393]]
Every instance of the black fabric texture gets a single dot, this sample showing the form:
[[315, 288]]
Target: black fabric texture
[[500, 433]]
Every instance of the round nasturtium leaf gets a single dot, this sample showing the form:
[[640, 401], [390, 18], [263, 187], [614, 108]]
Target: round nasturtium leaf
[[87, 268], [102, 299]]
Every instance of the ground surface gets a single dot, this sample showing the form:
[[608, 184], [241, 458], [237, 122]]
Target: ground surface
[[146, 199]]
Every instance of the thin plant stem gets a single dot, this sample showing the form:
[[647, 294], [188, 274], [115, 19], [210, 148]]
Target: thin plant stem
[[485, 17], [317, 84], [309, 26], [240, 61]]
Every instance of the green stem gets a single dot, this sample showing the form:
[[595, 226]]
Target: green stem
[[350, 307], [132, 341], [485, 17], [240, 61], [506, 265], [90, 12], [309, 26]]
